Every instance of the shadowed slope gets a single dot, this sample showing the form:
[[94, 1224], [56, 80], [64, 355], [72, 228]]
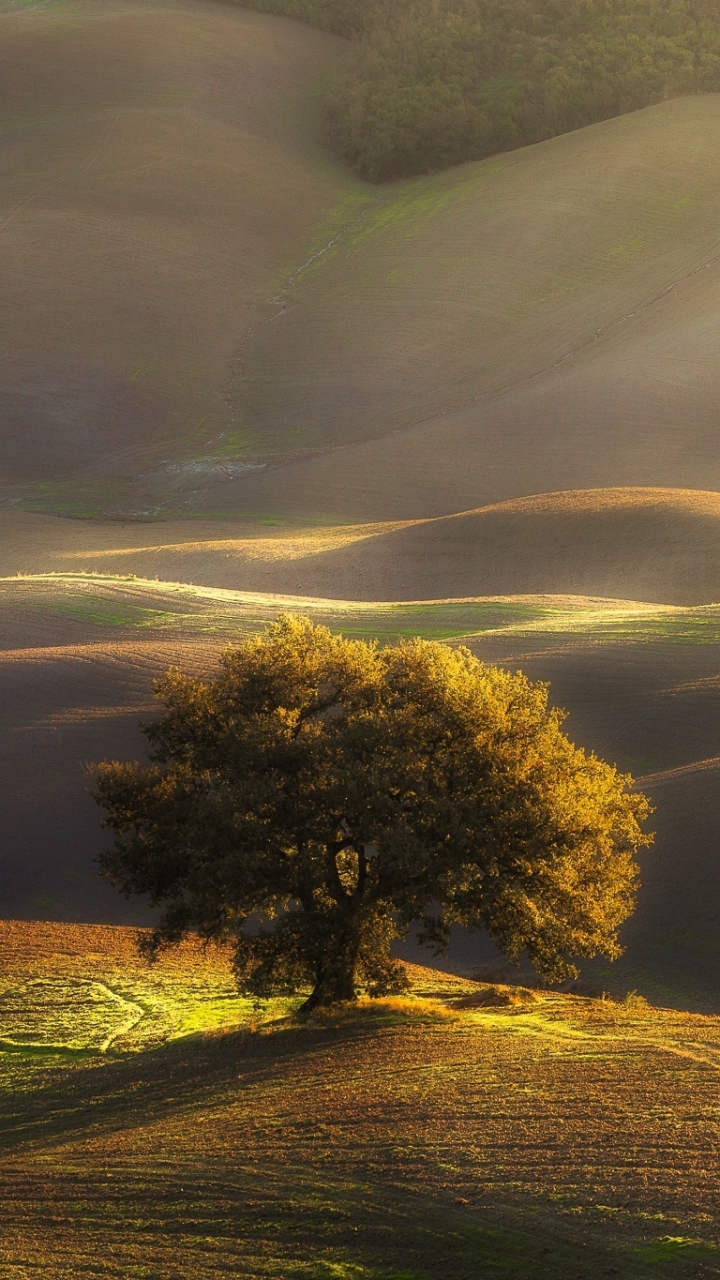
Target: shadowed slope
[[161, 177]]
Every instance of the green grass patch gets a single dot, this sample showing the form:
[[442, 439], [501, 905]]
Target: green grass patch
[[117, 602], [668, 1249]]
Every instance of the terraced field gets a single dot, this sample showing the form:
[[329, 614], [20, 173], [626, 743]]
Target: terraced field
[[463, 1130]]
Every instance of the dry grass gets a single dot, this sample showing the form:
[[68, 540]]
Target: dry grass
[[568, 1139]]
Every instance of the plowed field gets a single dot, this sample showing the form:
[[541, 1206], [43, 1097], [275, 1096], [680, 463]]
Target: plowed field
[[463, 1131]]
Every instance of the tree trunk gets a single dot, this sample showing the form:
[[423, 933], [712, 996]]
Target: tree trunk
[[335, 980]]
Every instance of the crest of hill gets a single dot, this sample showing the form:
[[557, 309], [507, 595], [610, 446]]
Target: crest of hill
[[648, 544], [136, 1096], [636, 544]]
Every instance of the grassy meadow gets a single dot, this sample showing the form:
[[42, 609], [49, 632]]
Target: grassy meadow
[[463, 1130]]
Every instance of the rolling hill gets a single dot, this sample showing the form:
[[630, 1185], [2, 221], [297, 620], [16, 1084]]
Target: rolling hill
[[162, 177], [536, 322], [79, 654], [462, 1131], [661, 545], [480, 407], [480, 404]]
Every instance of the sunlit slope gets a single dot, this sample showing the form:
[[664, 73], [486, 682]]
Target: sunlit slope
[[162, 175], [646, 544], [543, 320], [641, 683], [464, 1130], [659, 545], [652, 707]]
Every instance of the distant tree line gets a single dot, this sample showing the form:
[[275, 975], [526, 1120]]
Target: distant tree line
[[432, 83]]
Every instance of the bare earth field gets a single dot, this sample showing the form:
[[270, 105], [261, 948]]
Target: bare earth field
[[465, 1130], [661, 545], [204, 314], [540, 321], [162, 178]]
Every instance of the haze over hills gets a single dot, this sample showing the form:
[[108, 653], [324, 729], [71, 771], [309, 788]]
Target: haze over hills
[[162, 175], [263, 377], [478, 407], [535, 322], [540, 321], [660, 545]]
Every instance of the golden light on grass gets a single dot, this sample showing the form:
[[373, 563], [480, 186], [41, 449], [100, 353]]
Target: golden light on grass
[[280, 546], [563, 1136]]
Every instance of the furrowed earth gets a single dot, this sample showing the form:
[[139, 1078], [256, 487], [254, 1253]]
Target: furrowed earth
[[478, 407], [160, 1125]]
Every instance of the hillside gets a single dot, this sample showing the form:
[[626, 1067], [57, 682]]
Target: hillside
[[478, 406], [485, 408], [640, 683], [537, 322], [464, 1131], [163, 175], [660, 545]]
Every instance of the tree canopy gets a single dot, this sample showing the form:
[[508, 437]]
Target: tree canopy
[[322, 795], [431, 83]]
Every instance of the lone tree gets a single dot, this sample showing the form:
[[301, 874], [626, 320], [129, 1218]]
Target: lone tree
[[322, 795]]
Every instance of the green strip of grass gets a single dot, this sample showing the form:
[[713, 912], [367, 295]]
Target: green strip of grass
[[126, 602]]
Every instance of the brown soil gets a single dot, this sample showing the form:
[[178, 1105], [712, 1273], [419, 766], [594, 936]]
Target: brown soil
[[541, 321], [566, 1138], [658, 545], [162, 171]]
